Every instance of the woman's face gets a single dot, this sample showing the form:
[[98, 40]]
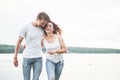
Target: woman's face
[[49, 28]]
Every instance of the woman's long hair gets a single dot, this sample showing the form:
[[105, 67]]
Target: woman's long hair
[[57, 30]]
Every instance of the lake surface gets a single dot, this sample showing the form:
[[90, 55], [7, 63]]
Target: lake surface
[[77, 67]]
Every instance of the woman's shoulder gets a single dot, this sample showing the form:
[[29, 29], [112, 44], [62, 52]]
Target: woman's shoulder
[[58, 36]]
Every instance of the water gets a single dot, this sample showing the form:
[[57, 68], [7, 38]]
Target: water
[[77, 67]]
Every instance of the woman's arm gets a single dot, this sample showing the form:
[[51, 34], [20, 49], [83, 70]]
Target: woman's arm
[[63, 48]]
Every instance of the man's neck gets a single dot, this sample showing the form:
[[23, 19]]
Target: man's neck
[[34, 24]]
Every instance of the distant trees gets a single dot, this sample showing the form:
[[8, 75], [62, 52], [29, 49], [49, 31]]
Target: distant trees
[[10, 49], [92, 50]]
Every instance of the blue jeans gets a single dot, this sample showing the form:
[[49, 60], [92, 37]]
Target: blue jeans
[[36, 64], [54, 69]]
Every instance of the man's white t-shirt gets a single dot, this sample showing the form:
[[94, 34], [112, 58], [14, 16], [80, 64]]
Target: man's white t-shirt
[[33, 36]]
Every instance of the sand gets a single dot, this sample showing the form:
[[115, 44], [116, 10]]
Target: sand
[[76, 67]]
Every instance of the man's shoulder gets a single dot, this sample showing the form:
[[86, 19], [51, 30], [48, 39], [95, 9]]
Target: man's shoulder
[[26, 26]]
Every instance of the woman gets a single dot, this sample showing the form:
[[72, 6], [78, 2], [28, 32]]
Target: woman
[[54, 46]]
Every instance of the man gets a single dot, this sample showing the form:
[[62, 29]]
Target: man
[[32, 54]]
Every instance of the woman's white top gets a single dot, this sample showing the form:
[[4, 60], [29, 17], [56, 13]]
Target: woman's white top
[[33, 36], [56, 57]]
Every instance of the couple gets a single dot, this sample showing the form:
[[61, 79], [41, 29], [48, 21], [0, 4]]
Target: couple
[[41, 33]]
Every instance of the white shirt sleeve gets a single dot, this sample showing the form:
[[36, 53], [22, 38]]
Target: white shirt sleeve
[[23, 32]]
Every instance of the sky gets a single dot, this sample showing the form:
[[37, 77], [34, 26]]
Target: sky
[[85, 23]]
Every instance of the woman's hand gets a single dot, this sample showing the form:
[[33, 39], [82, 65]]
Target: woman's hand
[[51, 52]]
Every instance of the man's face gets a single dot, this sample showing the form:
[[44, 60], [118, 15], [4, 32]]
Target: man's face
[[41, 22]]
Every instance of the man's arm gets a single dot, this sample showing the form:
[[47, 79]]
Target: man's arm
[[17, 47]]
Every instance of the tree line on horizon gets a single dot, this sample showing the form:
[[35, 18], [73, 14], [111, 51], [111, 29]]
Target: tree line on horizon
[[10, 49]]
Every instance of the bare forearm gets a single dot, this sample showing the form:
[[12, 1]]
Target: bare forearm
[[17, 50], [60, 51], [17, 47]]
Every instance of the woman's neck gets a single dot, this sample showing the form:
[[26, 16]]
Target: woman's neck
[[50, 35]]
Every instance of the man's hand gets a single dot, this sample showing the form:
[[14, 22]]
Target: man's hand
[[15, 62]]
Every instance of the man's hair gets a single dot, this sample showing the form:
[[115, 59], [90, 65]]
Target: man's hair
[[43, 15]]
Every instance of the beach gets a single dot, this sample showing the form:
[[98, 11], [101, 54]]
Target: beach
[[76, 67]]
